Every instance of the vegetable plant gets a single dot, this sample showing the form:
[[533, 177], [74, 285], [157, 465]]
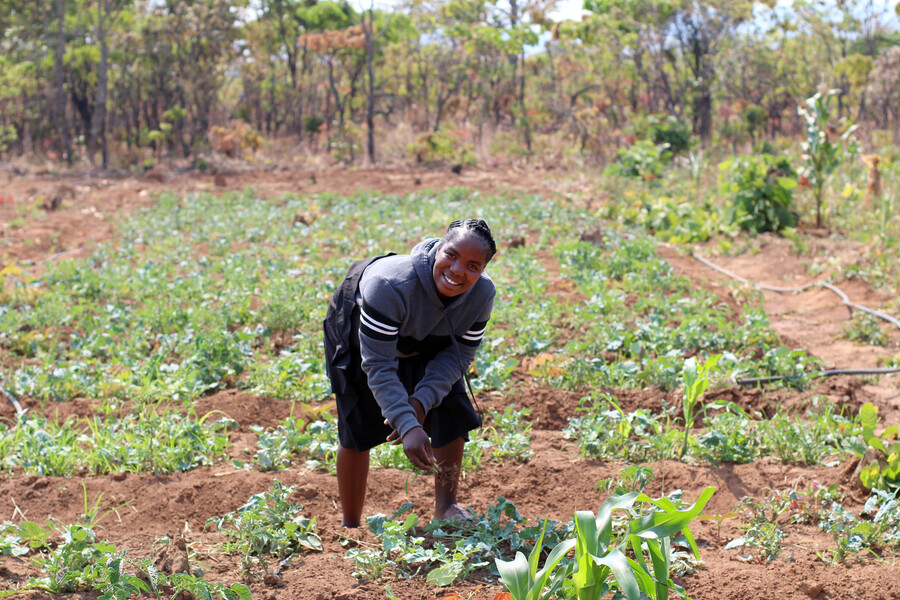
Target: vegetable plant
[[267, 526], [882, 472], [696, 380], [523, 578]]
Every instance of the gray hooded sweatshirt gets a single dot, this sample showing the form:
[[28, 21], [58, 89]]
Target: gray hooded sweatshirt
[[401, 315]]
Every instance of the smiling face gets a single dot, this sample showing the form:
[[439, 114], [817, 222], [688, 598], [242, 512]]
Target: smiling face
[[460, 259]]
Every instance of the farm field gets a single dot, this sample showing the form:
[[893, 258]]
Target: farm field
[[164, 337]]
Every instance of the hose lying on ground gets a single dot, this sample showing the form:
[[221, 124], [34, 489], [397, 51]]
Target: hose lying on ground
[[827, 373], [784, 290], [13, 401]]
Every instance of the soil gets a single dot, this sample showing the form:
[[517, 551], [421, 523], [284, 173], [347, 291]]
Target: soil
[[554, 483]]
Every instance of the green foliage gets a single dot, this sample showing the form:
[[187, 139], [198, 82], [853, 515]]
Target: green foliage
[[312, 123], [401, 552], [670, 131], [643, 159], [821, 153], [675, 220], [608, 432], [864, 328], [316, 442], [754, 117], [113, 580], [442, 146], [162, 442], [883, 471], [696, 381], [267, 526], [522, 577], [760, 192], [7, 134], [602, 565]]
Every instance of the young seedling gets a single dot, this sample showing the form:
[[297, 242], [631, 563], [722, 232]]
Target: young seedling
[[696, 380]]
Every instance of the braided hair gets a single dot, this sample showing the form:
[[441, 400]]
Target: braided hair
[[479, 228]]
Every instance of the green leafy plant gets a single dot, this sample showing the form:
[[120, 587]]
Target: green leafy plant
[[113, 580], [821, 153], [883, 470], [523, 578], [267, 526], [864, 328], [643, 159], [696, 381], [667, 129], [760, 191]]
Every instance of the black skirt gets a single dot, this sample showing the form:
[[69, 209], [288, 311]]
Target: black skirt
[[360, 422]]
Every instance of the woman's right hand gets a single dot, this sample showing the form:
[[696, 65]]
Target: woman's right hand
[[394, 437], [418, 449]]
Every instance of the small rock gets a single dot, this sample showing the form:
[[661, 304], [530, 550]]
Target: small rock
[[307, 492], [813, 590]]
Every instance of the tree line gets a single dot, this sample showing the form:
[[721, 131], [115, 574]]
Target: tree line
[[137, 80]]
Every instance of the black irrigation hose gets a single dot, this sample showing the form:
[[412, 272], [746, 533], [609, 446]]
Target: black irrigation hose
[[781, 290]]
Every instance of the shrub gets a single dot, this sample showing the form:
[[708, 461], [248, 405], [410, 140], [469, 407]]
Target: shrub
[[669, 130], [643, 159], [760, 189], [442, 146], [236, 140]]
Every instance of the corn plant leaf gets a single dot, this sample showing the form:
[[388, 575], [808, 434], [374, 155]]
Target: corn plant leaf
[[514, 575], [586, 531], [662, 524], [623, 572], [604, 515], [659, 556], [691, 542], [535, 556]]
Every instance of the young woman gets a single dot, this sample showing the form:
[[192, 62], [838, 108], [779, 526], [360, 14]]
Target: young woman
[[400, 333]]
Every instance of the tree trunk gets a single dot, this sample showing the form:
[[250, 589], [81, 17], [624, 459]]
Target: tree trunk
[[368, 29], [62, 124], [98, 122]]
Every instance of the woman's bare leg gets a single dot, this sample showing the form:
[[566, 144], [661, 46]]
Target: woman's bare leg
[[446, 482], [352, 473]]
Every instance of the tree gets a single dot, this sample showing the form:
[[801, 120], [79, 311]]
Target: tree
[[103, 16]]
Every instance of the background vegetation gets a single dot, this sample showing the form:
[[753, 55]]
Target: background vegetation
[[125, 83]]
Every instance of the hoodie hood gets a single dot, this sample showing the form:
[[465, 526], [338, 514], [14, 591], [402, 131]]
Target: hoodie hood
[[422, 256]]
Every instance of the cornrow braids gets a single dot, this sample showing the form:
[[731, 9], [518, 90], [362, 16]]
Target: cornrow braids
[[479, 228]]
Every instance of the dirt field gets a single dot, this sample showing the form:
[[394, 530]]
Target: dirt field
[[180, 504]]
